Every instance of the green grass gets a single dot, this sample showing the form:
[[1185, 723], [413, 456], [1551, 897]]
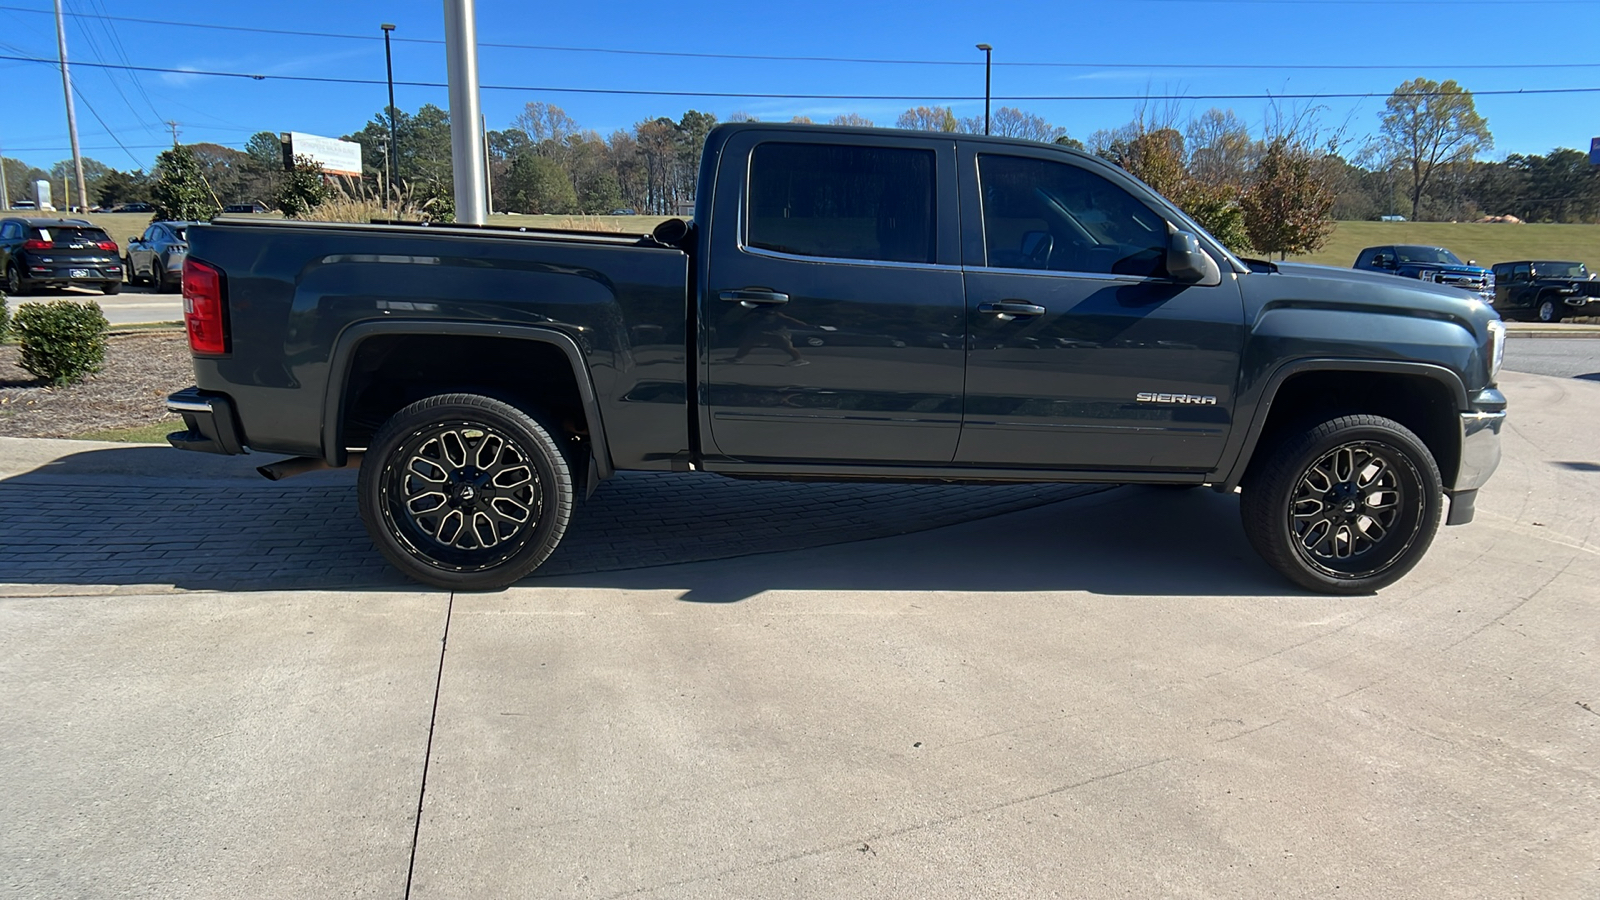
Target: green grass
[[142, 434], [1488, 244]]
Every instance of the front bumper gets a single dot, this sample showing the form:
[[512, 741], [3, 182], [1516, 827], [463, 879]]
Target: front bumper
[[209, 422], [1480, 453]]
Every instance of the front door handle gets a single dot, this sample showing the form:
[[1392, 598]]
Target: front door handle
[[751, 297], [1006, 310]]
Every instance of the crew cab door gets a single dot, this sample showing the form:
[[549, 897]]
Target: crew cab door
[[832, 310], [1083, 353]]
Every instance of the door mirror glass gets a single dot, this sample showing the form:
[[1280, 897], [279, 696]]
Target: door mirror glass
[[1186, 262]]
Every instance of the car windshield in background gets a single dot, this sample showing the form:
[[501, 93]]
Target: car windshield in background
[[1560, 270], [1426, 255]]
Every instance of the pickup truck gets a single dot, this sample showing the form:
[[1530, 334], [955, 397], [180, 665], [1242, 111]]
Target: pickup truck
[[1545, 290], [844, 304], [1431, 264]]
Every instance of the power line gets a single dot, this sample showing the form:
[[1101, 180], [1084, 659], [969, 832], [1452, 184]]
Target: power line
[[678, 54], [546, 89]]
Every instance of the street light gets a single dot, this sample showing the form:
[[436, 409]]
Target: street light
[[987, 55], [389, 152]]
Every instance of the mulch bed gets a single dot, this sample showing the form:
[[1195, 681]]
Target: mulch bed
[[141, 369]]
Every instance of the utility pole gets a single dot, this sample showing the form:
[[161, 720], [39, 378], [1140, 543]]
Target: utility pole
[[5, 187], [466, 129], [170, 124], [72, 112], [388, 155]]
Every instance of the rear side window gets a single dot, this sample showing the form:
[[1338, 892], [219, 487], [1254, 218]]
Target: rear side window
[[846, 202]]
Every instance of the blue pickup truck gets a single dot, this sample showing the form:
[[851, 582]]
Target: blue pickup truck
[[1433, 264]]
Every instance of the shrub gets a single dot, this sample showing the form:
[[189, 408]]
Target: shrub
[[62, 341]]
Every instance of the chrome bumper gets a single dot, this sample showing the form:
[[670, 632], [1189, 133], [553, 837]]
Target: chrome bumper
[[209, 423], [1480, 454]]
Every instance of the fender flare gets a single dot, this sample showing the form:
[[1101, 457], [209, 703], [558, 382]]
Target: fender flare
[[1269, 392], [333, 450]]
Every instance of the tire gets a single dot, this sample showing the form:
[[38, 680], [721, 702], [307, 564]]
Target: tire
[[1318, 512], [432, 498], [14, 284], [1548, 311], [128, 273], [158, 282], [111, 287]]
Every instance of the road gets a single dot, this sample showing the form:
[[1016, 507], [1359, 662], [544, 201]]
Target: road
[[1558, 357], [1105, 696]]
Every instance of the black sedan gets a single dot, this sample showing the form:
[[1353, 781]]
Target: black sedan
[[38, 252]]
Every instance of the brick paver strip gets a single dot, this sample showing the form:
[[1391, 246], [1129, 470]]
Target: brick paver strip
[[109, 530]]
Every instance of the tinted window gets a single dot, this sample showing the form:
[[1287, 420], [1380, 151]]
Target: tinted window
[[70, 235], [1437, 255], [845, 202], [1560, 270], [1039, 214]]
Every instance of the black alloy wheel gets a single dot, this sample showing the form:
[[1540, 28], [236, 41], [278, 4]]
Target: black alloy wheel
[[465, 492], [1346, 507]]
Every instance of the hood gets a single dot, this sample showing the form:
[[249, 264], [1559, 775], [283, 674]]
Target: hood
[[1312, 284]]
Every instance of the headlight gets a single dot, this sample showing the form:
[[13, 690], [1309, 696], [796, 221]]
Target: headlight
[[1497, 347]]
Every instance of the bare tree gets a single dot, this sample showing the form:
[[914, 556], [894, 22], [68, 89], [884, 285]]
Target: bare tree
[[851, 119], [928, 118], [1221, 151], [547, 125]]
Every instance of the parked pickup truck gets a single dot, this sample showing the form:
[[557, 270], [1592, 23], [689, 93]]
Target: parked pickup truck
[[845, 304], [1545, 290], [1433, 264]]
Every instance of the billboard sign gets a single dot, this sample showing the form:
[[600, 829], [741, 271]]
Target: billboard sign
[[1594, 151], [337, 157]]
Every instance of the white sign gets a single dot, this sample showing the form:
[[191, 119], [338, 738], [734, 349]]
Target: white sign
[[337, 157], [42, 191]]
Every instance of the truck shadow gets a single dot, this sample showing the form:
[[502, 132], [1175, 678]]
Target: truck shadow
[[153, 518]]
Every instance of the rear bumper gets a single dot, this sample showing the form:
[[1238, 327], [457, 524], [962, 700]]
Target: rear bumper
[[209, 422], [73, 273]]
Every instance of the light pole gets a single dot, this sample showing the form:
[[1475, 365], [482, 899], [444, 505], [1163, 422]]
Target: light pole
[[389, 152], [987, 55]]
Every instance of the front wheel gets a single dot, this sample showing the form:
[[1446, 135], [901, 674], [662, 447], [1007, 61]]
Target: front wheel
[[1348, 507], [1549, 311], [465, 492]]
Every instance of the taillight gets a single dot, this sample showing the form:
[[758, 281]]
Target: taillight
[[36, 244], [108, 245], [202, 308]]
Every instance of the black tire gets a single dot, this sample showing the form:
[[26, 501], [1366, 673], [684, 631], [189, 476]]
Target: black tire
[[1318, 511], [15, 286], [433, 500], [1548, 311], [128, 273], [158, 282], [111, 287]]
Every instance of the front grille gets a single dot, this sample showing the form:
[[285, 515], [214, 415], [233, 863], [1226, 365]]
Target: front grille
[[1482, 285]]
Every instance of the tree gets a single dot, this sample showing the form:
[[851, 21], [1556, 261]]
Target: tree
[[1221, 151], [1287, 203], [539, 185], [1008, 121], [180, 193], [116, 187], [304, 189], [851, 119], [63, 172], [928, 118], [1427, 124]]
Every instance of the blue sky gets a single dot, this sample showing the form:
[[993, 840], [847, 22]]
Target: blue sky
[[1122, 48]]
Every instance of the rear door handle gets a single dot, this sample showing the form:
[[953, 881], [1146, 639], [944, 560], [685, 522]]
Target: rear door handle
[[1006, 310], [753, 297]]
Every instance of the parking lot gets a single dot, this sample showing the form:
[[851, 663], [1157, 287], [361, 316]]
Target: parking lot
[[215, 688]]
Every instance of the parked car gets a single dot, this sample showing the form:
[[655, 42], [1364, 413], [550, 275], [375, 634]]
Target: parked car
[[138, 206], [1545, 290], [626, 211], [40, 252], [255, 207], [1090, 331], [156, 257], [1435, 264]]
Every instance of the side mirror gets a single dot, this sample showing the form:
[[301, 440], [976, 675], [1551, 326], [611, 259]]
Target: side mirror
[[1186, 262], [132, 239]]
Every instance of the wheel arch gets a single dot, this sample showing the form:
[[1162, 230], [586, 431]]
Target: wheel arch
[[1425, 398], [549, 345]]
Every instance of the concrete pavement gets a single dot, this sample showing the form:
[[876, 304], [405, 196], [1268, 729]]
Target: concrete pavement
[[1105, 696]]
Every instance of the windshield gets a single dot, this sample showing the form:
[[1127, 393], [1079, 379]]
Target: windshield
[[1560, 270], [1426, 255]]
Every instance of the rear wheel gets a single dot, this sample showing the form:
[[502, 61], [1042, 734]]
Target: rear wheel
[[157, 281], [111, 287], [465, 492], [1348, 507], [14, 285]]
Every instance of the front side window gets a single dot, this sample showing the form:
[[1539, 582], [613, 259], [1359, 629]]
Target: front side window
[[1039, 214], [845, 202]]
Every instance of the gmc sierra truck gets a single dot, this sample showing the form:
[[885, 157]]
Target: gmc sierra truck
[[844, 304]]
